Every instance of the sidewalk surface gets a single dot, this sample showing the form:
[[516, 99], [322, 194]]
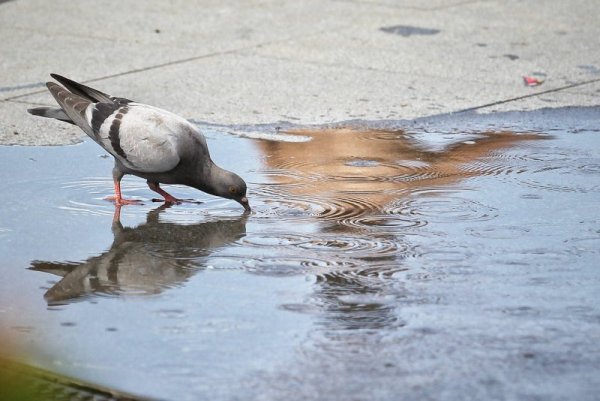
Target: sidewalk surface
[[306, 62]]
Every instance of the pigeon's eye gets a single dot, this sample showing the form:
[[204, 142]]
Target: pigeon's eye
[[232, 190]]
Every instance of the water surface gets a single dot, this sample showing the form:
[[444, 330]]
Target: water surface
[[413, 260]]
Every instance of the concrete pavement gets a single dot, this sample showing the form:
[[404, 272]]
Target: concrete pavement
[[309, 62]]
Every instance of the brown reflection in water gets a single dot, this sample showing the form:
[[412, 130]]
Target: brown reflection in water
[[142, 260], [360, 173], [373, 168]]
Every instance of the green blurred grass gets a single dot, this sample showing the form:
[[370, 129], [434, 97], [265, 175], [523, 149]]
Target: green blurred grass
[[22, 382]]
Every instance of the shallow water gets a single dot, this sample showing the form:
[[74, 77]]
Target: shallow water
[[419, 260]]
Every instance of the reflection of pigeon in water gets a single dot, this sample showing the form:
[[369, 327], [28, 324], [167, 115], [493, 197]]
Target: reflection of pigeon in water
[[145, 141], [144, 260]]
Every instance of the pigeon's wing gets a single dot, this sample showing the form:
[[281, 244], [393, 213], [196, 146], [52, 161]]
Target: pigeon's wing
[[88, 93], [84, 92], [141, 137]]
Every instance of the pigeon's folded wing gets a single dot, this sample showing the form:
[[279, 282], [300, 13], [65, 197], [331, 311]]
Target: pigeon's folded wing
[[142, 138]]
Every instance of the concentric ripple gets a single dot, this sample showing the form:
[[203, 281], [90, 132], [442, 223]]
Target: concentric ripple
[[384, 223], [331, 246], [439, 205], [289, 206], [86, 196], [543, 168], [281, 175], [415, 170], [283, 253]]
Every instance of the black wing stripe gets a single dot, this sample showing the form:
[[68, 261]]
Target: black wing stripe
[[100, 113], [113, 134]]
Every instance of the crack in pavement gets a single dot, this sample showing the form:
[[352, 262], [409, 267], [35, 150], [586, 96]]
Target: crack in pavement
[[170, 63], [513, 99]]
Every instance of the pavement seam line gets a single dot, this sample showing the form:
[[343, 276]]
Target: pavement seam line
[[136, 70], [174, 62], [514, 99]]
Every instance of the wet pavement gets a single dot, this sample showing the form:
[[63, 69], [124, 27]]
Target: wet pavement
[[450, 257]]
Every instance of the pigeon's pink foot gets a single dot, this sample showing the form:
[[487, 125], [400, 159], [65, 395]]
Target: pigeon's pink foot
[[122, 201], [168, 198], [118, 199]]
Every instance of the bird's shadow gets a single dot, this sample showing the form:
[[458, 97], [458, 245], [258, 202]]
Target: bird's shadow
[[145, 260]]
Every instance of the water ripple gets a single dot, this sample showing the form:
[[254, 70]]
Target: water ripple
[[590, 168], [320, 253], [330, 246], [291, 206], [544, 168], [441, 205]]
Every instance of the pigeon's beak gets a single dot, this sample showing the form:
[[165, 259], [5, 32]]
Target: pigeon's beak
[[244, 202]]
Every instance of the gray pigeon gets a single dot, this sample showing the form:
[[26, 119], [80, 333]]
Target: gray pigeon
[[145, 141]]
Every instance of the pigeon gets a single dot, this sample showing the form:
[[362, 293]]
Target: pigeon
[[145, 141]]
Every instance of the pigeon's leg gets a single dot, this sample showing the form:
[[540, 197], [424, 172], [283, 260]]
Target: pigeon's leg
[[118, 199], [168, 197]]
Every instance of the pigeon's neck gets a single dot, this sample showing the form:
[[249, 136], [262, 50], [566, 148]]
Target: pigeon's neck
[[209, 179]]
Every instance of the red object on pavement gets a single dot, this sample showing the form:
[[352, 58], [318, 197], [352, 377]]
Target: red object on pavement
[[532, 81]]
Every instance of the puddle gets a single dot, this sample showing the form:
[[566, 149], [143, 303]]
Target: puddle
[[394, 260]]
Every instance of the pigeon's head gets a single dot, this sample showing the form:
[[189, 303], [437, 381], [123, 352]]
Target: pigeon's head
[[223, 183], [234, 188]]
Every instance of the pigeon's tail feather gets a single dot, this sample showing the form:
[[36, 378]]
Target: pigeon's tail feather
[[60, 269], [51, 112], [73, 105], [86, 92]]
